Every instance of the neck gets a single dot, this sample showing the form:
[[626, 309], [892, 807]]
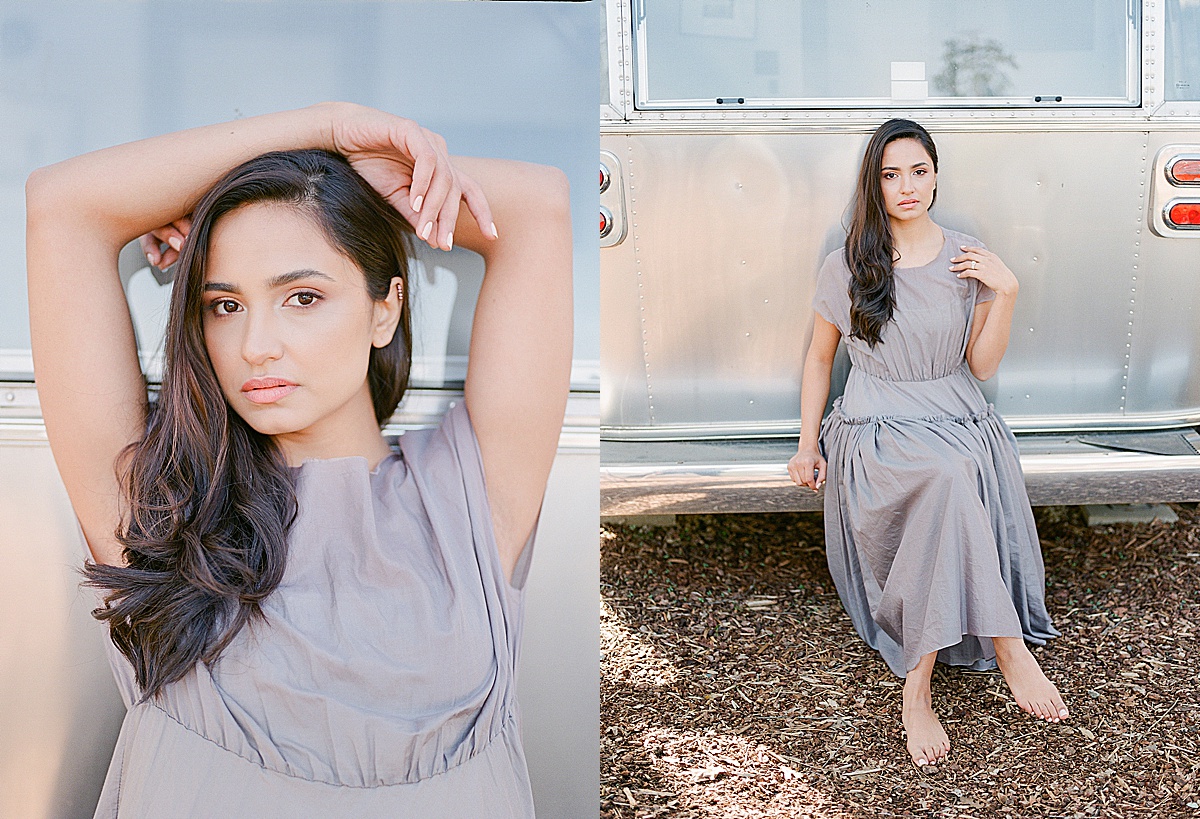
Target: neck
[[914, 232], [911, 237], [348, 431]]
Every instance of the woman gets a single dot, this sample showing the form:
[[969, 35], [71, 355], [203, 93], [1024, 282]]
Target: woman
[[309, 621], [929, 534]]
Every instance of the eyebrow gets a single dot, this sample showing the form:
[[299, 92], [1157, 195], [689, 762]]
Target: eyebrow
[[281, 280], [922, 163]]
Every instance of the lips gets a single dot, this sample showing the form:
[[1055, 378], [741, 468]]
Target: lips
[[267, 390], [910, 202]]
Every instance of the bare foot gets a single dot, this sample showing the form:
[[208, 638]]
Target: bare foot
[[1029, 686], [928, 743]]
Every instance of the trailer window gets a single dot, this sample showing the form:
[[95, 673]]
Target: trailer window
[[1182, 55], [886, 53]]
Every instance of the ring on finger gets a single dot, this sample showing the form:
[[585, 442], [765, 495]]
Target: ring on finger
[[974, 265]]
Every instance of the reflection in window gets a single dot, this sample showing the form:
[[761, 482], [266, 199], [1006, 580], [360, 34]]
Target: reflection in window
[[1183, 50], [872, 52]]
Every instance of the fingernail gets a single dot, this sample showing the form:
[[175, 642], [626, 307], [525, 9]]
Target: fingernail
[[153, 257], [174, 242], [417, 203], [426, 230], [495, 233], [449, 241]]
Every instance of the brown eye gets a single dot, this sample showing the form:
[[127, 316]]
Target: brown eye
[[224, 307], [304, 299]]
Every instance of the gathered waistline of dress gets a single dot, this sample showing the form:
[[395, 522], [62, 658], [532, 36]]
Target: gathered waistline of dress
[[987, 412], [957, 372], [507, 722]]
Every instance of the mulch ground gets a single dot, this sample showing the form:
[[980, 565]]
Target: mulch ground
[[733, 684]]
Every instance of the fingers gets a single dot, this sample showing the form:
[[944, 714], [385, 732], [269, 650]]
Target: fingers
[[807, 471], [172, 236], [448, 216], [477, 204], [425, 166], [800, 471], [150, 249]]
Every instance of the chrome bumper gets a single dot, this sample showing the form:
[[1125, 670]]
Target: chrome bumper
[[693, 477]]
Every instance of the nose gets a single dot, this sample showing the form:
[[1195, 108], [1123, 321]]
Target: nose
[[260, 338]]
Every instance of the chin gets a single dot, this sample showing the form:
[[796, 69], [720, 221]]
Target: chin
[[272, 421]]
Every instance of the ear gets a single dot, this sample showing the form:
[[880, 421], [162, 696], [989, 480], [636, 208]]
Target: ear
[[386, 314]]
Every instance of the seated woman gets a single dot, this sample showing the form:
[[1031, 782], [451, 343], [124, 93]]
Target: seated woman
[[928, 530], [306, 620]]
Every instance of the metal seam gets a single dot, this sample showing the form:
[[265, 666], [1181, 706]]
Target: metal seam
[[1133, 284], [637, 263]]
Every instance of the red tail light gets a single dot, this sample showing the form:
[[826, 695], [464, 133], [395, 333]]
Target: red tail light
[[1184, 170], [1183, 214], [606, 221], [604, 178]]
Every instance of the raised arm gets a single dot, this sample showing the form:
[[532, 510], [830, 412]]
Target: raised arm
[[519, 370], [807, 466], [82, 211]]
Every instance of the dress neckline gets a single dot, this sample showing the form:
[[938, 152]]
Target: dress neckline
[[318, 463]]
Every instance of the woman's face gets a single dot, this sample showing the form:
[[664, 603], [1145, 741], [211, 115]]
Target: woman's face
[[907, 180], [288, 323]]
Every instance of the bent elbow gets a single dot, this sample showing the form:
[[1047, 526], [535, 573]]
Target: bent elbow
[[38, 186], [983, 373], [555, 190]]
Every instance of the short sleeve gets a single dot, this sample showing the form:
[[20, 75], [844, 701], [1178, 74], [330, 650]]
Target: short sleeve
[[831, 296]]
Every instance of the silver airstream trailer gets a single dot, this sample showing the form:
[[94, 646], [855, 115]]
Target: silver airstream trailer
[[1069, 139], [82, 75]]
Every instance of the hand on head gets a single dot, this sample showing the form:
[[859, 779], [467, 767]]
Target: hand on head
[[411, 168]]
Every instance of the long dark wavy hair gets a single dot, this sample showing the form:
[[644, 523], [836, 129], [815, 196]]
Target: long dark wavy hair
[[208, 500], [870, 251]]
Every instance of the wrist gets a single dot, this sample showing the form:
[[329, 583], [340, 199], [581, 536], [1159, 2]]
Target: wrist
[[325, 117], [1008, 291]]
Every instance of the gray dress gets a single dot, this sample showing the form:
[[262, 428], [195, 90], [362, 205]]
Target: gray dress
[[382, 683], [929, 534]]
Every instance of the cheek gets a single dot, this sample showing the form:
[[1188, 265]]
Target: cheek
[[222, 352], [333, 349]]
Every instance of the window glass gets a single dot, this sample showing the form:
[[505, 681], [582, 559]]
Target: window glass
[[605, 88], [848, 53], [81, 75], [1183, 50]]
